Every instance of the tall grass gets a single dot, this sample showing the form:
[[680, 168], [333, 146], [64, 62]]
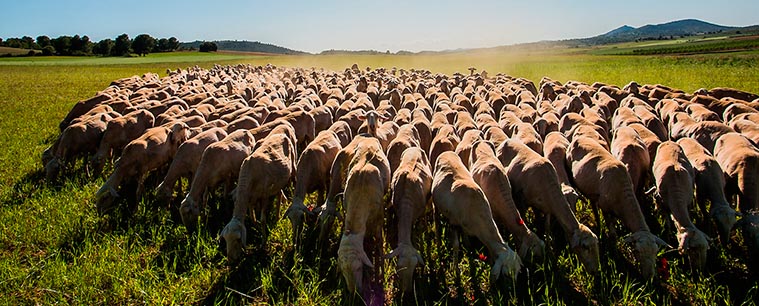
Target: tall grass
[[54, 248]]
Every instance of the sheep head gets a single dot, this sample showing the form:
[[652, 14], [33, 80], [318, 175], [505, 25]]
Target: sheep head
[[532, 248], [750, 226], [179, 132], [351, 259], [373, 119], [234, 235], [296, 213], [52, 168], [725, 218], [645, 246], [189, 211], [694, 243], [507, 262], [584, 243], [104, 198], [408, 259]]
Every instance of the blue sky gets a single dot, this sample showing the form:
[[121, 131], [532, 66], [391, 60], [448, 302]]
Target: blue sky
[[355, 25]]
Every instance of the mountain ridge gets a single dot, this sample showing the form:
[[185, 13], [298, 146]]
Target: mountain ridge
[[676, 28]]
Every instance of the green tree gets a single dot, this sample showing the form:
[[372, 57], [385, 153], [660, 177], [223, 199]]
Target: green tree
[[103, 47], [173, 43], [208, 46], [48, 50], [62, 45], [27, 42], [143, 44], [122, 46], [162, 45], [77, 45], [87, 45], [43, 41]]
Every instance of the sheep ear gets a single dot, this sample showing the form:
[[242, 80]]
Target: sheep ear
[[661, 242], [113, 192], [361, 117], [365, 259]]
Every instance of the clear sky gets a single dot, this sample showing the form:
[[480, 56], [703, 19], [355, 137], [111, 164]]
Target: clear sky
[[315, 26]]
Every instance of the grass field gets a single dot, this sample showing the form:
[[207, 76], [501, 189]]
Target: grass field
[[54, 248]]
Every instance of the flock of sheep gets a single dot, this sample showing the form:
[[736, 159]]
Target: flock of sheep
[[398, 145]]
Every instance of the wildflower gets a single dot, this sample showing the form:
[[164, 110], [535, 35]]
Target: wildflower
[[663, 269], [521, 222], [483, 257]]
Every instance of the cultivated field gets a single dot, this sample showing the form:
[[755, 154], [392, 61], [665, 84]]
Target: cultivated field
[[54, 248]]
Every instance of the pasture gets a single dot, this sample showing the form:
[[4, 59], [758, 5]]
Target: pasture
[[55, 248]]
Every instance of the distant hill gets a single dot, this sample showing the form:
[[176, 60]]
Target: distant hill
[[679, 28], [243, 45]]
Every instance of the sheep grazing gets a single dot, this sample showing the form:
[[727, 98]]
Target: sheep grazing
[[78, 140], [605, 181], [488, 152], [674, 178], [119, 132], [220, 163], [491, 176], [710, 186], [460, 200], [312, 174], [186, 160], [534, 181], [367, 182], [155, 148], [411, 187], [262, 177]]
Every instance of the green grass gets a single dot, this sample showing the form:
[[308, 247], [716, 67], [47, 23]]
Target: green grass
[[54, 248], [691, 45]]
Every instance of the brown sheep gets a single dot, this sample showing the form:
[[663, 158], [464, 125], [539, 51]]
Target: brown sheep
[[312, 174], [534, 181], [674, 178], [555, 150], [710, 185], [345, 159], [367, 182], [220, 163], [262, 177], [78, 140], [153, 150], [459, 199], [491, 176], [613, 195], [411, 196], [186, 160], [119, 133]]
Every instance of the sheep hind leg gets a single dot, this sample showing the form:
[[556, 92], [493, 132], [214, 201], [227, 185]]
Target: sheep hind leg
[[456, 244]]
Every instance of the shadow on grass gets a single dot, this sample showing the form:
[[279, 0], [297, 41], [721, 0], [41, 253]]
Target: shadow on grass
[[25, 188]]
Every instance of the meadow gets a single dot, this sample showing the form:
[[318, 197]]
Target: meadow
[[55, 248]]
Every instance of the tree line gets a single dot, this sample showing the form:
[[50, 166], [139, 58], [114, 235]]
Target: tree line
[[76, 45]]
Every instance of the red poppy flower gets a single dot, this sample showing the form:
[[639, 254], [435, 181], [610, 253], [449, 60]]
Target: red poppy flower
[[521, 222], [310, 208], [663, 269], [483, 257]]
